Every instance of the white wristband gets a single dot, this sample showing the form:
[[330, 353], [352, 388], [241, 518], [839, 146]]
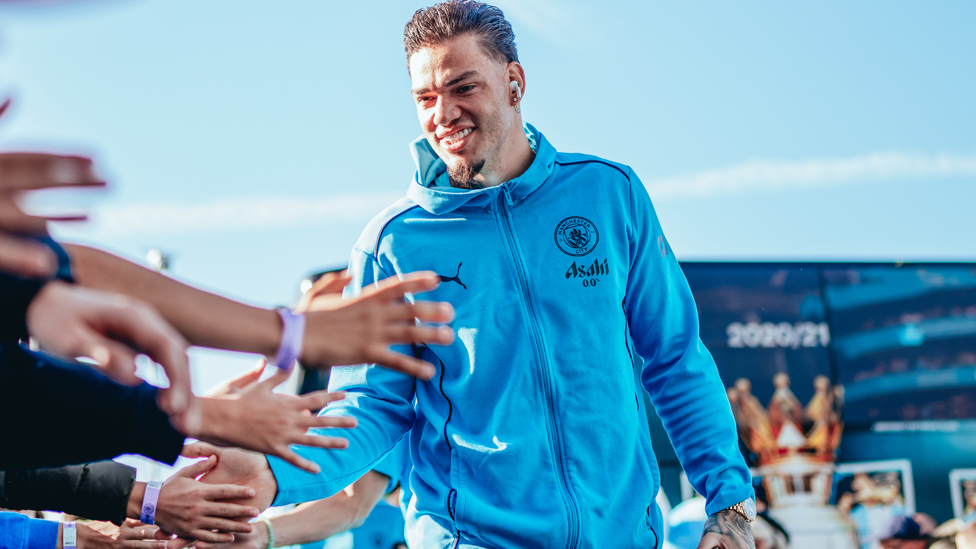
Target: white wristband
[[267, 522], [148, 514], [69, 535]]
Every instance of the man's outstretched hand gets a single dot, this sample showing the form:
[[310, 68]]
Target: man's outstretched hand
[[361, 330], [238, 467], [258, 419], [197, 510], [727, 530], [73, 321], [20, 172]]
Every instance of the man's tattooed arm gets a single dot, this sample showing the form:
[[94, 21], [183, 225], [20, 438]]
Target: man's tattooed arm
[[727, 530]]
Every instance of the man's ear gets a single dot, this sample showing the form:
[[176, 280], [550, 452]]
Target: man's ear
[[516, 73]]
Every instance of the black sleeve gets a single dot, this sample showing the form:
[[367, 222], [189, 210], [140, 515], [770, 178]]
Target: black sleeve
[[96, 491], [15, 296], [57, 412], [17, 293]]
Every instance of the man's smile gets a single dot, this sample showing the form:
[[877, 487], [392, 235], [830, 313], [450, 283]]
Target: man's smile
[[456, 141]]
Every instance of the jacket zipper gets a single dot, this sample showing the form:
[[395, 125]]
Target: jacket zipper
[[452, 494], [505, 204]]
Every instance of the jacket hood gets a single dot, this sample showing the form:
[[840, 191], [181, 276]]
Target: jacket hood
[[431, 190]]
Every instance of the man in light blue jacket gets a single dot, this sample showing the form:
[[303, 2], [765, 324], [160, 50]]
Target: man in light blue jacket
[[532, 433]]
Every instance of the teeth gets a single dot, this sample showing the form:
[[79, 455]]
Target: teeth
[[457, 135]]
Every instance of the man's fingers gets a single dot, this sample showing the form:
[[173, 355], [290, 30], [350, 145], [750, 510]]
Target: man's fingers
[[251, 376], [330, 443], [26, 258], [201, 449], [144, 544], [298, 461], [115, 359], [229, 491], [13, 219], [330, 284], [409, 365], [213, 537], [432, 335], [337, 422], [226, 526], [138, 324], [178, 543], [317, 400], [280, 376], [393, 289], [148, 331], [141, 532], [20, 171], [197, 469], [236, 385], [425, 311]]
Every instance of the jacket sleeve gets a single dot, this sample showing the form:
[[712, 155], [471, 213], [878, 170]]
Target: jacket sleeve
[[679, 372], [379, 398], [105, 418], [96, 491], [20, 532], [16, 293], [393, 465], [15, 296]]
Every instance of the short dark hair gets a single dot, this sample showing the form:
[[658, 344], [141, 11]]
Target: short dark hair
[[446, 20]]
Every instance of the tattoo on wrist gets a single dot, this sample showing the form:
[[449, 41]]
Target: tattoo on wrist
[[732, 526]]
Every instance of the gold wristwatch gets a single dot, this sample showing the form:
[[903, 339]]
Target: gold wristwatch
[[745, 508]]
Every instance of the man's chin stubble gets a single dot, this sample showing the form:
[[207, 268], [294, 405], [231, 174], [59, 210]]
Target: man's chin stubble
[[462, 176]]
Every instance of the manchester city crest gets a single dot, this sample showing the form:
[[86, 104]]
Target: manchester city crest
[[576, 236]]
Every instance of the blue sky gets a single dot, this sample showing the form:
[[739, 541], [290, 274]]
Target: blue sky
[[254, 140]]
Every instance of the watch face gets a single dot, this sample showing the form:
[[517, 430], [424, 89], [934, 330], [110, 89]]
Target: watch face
[[750, 508]]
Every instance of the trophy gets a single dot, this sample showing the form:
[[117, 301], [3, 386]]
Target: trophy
[[796, 447]]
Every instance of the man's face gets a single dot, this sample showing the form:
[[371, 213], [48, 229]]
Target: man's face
[[463, 102]]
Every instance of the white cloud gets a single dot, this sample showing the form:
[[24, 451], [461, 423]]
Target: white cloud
[[271, 212], [229, 214], [763, 174]]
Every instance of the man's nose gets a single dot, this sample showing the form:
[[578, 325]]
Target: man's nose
[[445, 112]]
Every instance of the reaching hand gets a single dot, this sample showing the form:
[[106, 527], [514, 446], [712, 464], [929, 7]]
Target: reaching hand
[[193, 510], [241, 468], [21, 172], [324, 293], [236, 385], [360, 330], [258, 419], [727, 530], [257, 539], [73, 321], [105, 535]]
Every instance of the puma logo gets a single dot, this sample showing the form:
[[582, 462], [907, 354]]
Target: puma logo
[[455, 278]]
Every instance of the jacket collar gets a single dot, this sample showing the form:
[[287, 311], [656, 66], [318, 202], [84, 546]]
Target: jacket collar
[[431, 190]]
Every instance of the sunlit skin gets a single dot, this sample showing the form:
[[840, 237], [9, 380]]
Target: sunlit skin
[[904, 544], [458, 87]]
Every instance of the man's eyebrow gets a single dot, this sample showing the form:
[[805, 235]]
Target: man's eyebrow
[[452, 82]]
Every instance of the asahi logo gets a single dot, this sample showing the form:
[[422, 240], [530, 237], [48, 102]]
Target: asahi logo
[[576, 236], [589, 273]]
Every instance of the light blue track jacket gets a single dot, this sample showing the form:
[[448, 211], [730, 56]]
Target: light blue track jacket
[[532, 433]]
